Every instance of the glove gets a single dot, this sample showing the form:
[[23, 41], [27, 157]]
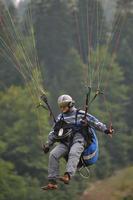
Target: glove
[[109, 131], [84, 122], [45, 148]]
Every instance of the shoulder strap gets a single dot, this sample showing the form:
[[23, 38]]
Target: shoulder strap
[[62, 117], [76, 116]]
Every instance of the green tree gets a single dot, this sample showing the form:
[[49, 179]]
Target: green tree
[[14, 186], [20, 134], [52, 26], [53, 37], [125, 53], [108, 108], [73, 68], [10, 183], [91, 27], [58, 37], [8, 73]]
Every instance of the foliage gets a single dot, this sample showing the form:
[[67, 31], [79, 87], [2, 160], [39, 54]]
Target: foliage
[[7, 177], [125, 54], [107, 107], [19, 133], [8, 74], [59, 37], [91, 27]]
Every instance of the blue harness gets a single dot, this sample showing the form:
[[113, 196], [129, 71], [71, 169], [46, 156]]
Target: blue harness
[[90, 154]]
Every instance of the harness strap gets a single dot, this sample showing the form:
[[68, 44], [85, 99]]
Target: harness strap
[[62, 117], [76, 116], [88, 157]]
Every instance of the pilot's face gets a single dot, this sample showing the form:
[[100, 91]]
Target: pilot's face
[[64, 109]]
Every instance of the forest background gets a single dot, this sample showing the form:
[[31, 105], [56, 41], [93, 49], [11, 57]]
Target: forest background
[[64, 58]]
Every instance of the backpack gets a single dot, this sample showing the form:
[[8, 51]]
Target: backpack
[[90, 153]]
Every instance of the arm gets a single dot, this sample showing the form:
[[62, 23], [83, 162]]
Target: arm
[[50, 140], [49, 143], [94, 122], [51, 137]]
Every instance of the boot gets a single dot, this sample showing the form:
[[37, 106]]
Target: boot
[[65, 178], [52, 185]]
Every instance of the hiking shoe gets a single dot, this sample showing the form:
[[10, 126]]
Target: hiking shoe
[[50, 186], [65, 178]]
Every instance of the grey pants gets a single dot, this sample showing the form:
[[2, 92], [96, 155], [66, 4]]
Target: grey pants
[[62, 150]]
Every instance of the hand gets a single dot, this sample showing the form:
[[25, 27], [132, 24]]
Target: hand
[[84, 122], [45, 148], [109, 131]]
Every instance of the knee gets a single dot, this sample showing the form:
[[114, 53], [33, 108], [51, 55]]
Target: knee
[[76, 152], [53, 155], [73, 154], [74, 157]]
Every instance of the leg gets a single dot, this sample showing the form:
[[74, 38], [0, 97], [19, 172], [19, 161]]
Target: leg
[[74, 157], [53, 168]]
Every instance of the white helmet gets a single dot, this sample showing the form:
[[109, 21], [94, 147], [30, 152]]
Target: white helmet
[[65, 100]]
